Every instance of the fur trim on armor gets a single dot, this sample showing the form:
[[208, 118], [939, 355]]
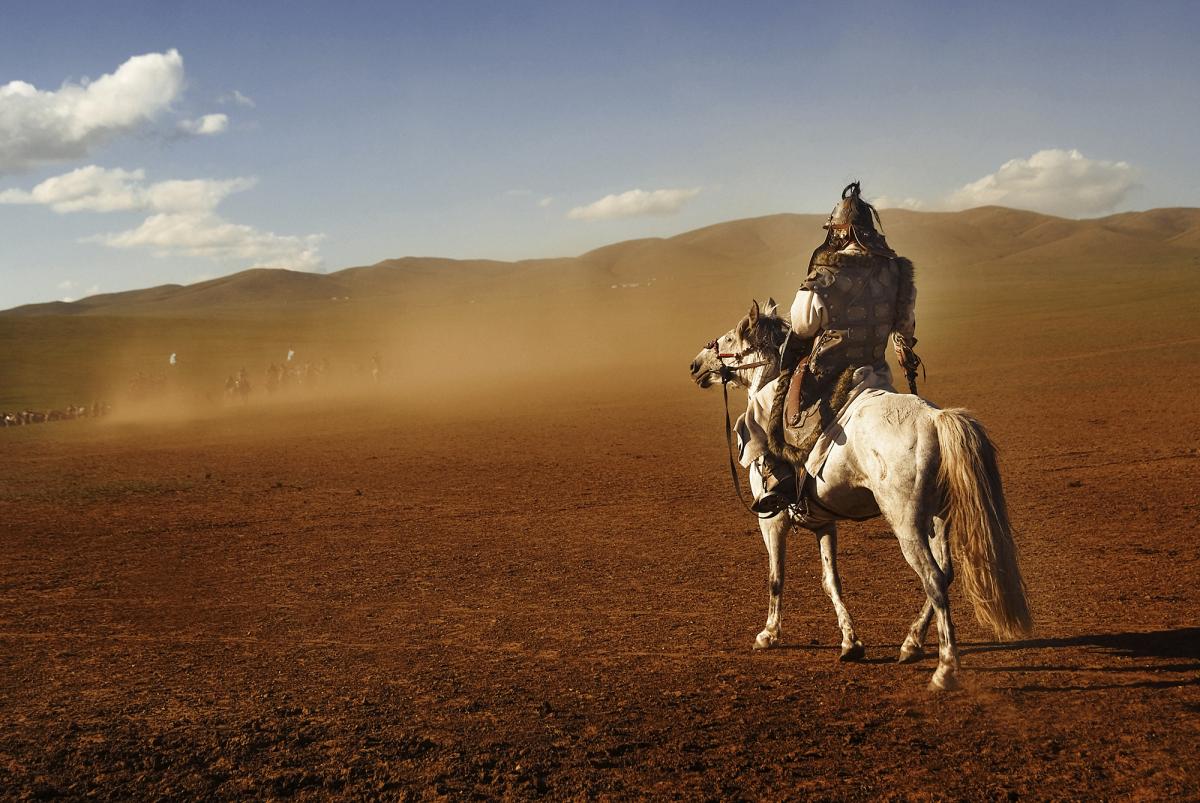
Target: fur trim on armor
[[907, 296], [841, 259]]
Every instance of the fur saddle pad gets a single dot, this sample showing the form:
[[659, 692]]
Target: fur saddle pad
[[799, 416]]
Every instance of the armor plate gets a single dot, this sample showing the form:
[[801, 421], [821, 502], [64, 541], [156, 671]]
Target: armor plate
[[860, 294]]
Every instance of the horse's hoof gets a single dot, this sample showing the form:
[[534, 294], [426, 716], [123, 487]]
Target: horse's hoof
[[766, 641], [855, 652], [944, 681], [910, 655]]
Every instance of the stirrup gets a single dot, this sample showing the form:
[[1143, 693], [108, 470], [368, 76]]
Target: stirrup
[[802, 515], [771, 502], [799, 508]]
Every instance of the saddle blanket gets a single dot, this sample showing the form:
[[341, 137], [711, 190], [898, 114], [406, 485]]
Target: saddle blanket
[[752, 426], [834, 434]]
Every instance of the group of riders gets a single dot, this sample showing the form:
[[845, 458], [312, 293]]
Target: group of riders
[[146, 386], [858, 295], [289, 375], [278, 377], [72, 411]]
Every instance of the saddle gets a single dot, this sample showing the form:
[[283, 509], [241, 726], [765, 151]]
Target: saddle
[[803, 409]]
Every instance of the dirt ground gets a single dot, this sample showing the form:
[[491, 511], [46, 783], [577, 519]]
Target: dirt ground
[[531, 597]]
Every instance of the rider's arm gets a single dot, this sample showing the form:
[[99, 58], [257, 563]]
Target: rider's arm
[[808, 315]]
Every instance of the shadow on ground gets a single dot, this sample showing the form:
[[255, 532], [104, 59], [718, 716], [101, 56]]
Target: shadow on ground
[[1183, 642], [1160, 644]]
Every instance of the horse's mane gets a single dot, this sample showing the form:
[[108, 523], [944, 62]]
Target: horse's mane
[[767, 335]]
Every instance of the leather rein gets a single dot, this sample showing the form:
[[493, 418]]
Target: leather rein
[[727, 373]]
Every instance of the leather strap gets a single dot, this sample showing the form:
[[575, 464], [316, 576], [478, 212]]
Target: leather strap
[[737, 485]]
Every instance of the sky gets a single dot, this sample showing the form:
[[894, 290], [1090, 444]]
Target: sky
[[151, 143]]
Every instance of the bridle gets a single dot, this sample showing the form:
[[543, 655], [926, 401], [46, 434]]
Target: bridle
[[726, 372]]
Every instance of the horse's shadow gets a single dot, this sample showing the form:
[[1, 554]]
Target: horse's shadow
[[1182, 644]]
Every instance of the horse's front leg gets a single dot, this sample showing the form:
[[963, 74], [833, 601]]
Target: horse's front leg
[[852, 648], [775, 532]]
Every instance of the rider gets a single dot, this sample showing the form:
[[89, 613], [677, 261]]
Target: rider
[[857, 294]]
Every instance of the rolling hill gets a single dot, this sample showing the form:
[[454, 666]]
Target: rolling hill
[[642, 303]]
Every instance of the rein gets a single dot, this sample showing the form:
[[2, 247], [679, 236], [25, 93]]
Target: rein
[[727, 373], [737, 485]]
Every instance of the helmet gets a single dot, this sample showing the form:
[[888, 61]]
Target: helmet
[[854, 219]]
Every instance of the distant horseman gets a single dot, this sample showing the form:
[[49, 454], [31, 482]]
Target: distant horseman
[[857, 295]]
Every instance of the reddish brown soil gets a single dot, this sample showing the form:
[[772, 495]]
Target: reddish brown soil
[[398, 601]]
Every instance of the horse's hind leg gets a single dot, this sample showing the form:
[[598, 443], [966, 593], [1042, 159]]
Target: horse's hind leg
[[917, 552], [775, 532], [913, 647], [913, 650], [852, 648]]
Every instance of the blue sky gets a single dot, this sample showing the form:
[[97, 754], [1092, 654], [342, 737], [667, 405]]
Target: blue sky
[[327, 135]]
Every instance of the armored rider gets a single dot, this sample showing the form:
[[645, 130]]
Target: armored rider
[[857, 295]]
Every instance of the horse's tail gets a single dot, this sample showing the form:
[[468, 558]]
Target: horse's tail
[[980, 536]]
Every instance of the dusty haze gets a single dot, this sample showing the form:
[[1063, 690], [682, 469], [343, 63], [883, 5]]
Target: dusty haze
[[992, 281]]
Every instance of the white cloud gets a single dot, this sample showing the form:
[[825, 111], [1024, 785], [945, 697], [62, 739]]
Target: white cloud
[[205, 126], [237, 98], [888, 202], [183, 223], [635, 203], [193, 194], [88, 188], [546, 202], [40, 126], [66, 284], [205, 234], [1058, 182], [100, 189]]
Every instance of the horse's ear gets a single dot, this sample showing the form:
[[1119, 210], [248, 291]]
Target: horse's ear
[[754, 313], [772, 307]]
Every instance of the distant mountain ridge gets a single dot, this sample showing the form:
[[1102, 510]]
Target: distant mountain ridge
[[986, 235]]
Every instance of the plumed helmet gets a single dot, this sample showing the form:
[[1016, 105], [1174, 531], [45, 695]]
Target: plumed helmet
[[853, 218]]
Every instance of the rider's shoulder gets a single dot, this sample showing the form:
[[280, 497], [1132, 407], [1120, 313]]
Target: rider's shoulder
[[819, 278]]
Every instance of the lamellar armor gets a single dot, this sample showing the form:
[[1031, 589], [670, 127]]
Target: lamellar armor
[[860, 297], [863, 284]]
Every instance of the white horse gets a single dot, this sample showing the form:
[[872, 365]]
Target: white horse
[[930, 473]]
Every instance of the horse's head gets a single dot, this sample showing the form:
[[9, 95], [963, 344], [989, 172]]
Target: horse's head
[[756, 339]]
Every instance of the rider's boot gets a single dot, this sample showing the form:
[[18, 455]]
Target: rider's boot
[[779, 485]]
